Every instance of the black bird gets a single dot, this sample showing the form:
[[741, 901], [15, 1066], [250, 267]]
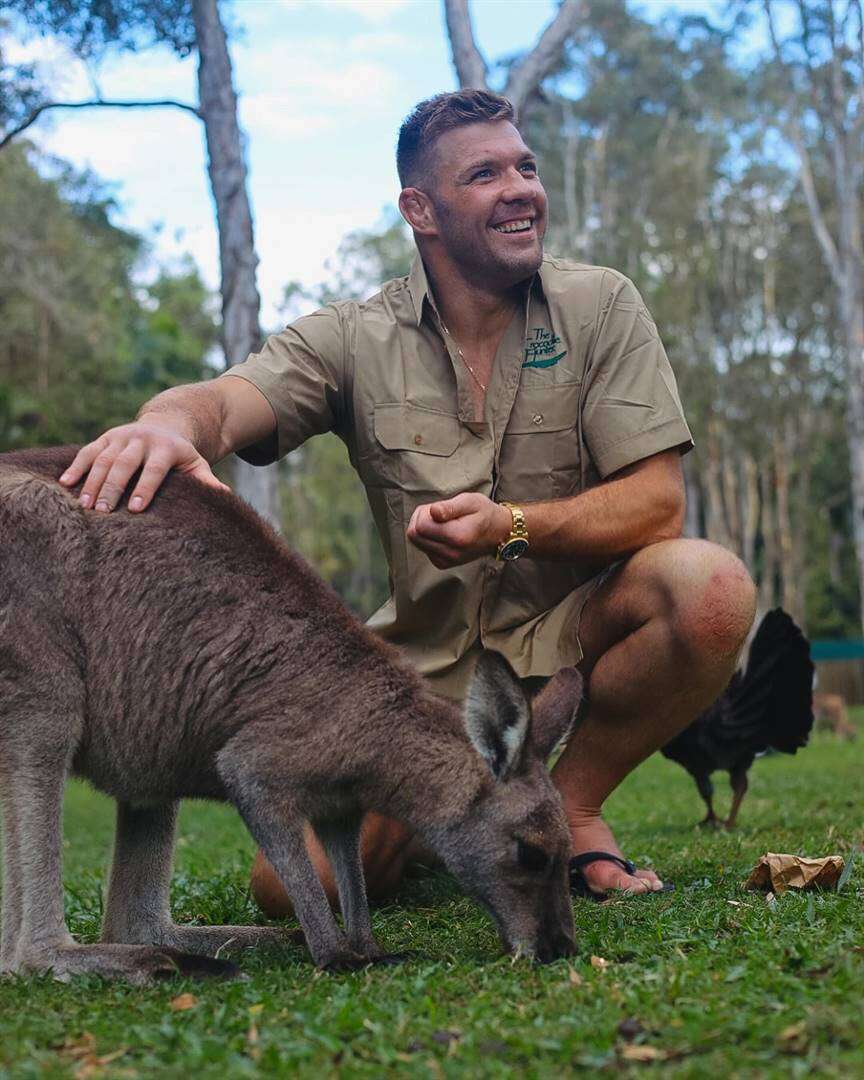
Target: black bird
[[768, 706]]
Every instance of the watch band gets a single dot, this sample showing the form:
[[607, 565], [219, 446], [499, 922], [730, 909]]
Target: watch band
[[518, 532]]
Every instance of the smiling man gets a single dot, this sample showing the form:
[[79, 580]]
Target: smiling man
[[516, 423]]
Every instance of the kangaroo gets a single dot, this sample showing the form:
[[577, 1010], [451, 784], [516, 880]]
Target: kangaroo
[[188, 653]]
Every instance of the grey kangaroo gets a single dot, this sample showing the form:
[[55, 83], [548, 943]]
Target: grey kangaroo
[[187, 653]]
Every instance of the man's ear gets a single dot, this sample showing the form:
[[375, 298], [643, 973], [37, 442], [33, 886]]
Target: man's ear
[[416, 207], [497, 717], [556, 710]]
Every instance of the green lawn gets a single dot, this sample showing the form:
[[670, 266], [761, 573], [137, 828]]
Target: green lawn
[[709, 980]]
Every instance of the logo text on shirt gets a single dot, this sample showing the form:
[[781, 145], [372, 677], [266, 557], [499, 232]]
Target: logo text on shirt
[[540, 346]]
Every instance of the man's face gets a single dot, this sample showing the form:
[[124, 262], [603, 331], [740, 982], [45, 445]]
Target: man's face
[[490, 206]]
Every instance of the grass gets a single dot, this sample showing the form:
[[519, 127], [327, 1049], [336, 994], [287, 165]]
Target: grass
[[709, 980]]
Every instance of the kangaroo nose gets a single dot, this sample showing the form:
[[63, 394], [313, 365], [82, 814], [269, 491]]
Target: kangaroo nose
[[555, 947]]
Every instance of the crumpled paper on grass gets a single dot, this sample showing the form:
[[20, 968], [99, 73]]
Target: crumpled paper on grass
[[781, 872]]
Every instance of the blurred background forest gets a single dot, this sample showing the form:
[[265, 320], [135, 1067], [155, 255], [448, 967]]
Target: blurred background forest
[[717, 162]]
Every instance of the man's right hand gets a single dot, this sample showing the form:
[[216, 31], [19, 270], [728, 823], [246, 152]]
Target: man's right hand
[[110, 462]]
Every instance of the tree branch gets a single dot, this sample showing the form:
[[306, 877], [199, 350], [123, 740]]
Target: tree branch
[[98, 103], [858, 123], [530, 72], [467, 59], [796, 137], [817, 218]]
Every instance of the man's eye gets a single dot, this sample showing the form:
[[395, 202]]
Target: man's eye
[[531, 857], [481, 173], [529, 166]]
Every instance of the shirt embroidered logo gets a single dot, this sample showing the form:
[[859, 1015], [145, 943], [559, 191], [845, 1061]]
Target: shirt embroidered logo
[[538, 345]]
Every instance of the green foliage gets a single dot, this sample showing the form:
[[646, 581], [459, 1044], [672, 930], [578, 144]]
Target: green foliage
[[81, 345], [714, 978], [20, 88], [89, 27]]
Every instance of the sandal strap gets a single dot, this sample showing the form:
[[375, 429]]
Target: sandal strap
[[578, 861]]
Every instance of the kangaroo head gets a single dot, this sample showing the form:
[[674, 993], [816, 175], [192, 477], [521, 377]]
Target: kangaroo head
[[511, 848]]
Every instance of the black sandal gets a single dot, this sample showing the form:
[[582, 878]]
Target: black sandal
[[580, 887]]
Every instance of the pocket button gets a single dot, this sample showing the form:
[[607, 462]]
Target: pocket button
[[537, 418]]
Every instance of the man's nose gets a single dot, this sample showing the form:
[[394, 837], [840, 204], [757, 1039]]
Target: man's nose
[[518, 187]]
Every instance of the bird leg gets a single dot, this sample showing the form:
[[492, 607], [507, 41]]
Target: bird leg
[[738, 783], [706, 790]]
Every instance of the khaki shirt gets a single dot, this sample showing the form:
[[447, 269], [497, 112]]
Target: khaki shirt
[[581, 387]]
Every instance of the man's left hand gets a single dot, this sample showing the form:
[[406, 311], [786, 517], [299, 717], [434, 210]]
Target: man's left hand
[[458, 530]]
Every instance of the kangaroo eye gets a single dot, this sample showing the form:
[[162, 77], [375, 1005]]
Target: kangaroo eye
[[531, 857]]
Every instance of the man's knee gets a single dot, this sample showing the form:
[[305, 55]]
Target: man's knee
[[710, 595]]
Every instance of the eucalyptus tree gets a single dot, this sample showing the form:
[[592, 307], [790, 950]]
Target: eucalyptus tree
[[81, 342], [526, 72], [94, 27], [814, 81]]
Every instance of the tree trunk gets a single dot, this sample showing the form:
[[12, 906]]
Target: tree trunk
[[241, 333], [802, 440], [729, 476], [467, 58], [693, 506], [525, 76], [750, 526], [852, 310], [788, 582], [716, 527], [838, 102], [768, 576]]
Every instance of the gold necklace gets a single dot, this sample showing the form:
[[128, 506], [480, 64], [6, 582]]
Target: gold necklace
[[471, 370]]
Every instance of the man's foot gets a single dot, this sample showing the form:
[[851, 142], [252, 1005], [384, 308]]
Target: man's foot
[[593, 834]]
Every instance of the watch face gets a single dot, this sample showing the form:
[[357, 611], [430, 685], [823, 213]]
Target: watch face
[[513, 549]]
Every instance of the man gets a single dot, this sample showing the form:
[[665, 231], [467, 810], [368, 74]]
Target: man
[[517, 427]]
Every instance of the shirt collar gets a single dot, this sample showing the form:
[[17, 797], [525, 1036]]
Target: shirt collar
[[418, 286]]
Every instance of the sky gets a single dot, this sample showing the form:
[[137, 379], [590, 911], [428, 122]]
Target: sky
[[323, 86]]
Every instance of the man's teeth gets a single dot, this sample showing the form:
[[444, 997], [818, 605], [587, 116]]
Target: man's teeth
[[513, 226]]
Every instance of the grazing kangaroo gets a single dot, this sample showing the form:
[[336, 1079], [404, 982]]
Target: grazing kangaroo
[[187, 653]]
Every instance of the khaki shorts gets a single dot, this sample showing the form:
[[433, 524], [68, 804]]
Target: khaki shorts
[[561, 622]]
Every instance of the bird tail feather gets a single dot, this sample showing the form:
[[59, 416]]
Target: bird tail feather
[[774, 700]]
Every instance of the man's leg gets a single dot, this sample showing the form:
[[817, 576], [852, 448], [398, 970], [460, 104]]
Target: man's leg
[[661, 637]]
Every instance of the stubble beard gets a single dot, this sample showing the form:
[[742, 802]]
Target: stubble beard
[[484, 266]]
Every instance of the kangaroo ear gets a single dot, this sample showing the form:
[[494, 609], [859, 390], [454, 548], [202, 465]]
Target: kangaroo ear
[[556, 710], [497, 716]]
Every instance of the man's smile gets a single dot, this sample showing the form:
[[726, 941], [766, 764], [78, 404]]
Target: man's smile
[[521, 225]]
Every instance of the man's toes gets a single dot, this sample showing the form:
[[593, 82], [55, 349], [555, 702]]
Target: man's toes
[[651, 880], [634, 883]]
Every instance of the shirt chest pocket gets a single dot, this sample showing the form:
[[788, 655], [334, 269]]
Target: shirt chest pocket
[[417, 450], [540, 454]]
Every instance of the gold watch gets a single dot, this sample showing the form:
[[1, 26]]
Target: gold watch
[[516, 544]]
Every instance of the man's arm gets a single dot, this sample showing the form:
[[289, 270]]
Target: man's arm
[[187, 428], [637, 506]]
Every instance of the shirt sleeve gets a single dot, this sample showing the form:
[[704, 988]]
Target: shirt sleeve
[[300, 372], [631, 405]]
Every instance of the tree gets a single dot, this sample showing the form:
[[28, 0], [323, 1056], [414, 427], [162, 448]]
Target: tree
[[81, 344], [817, 74], [91, 27], [528, 72]]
